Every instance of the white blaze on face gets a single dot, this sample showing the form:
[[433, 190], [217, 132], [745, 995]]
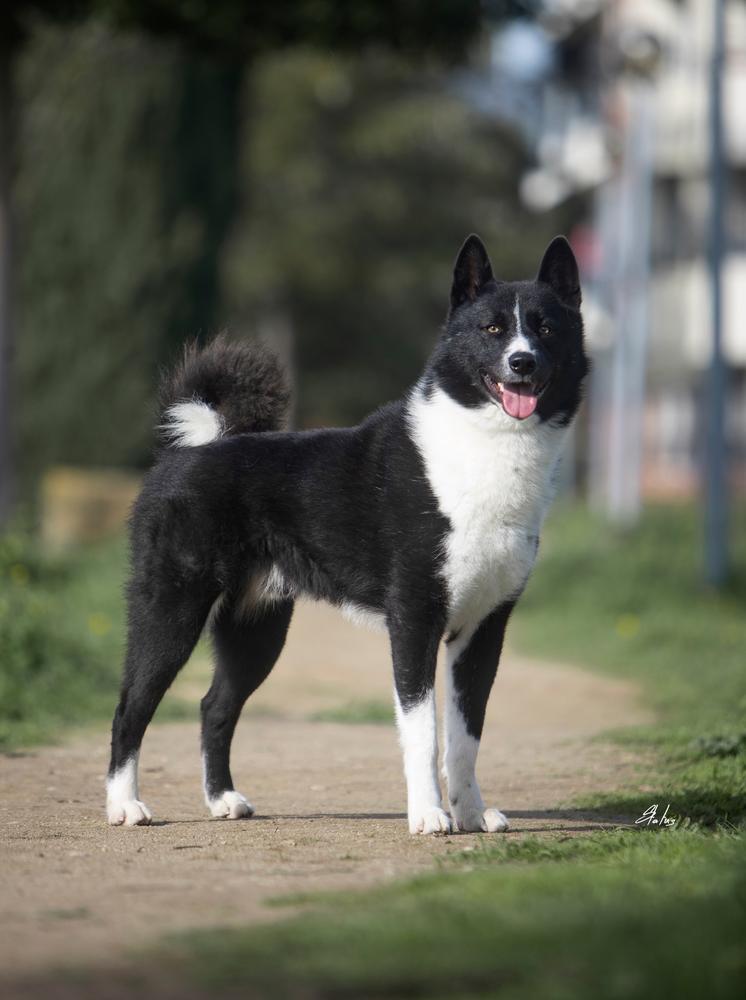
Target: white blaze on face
[[518, 401], [519, 341]]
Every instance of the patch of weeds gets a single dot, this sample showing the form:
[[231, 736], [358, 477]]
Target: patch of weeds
[[720, 746], [632, 604], [370, 712], [699, 785], [292, 899], [174, 709], [60, 635], [76, 913], [620, 915]]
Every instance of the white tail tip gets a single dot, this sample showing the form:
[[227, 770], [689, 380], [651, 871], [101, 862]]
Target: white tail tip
[[192, 423]]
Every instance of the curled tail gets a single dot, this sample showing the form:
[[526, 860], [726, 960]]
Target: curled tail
[[223, 388]]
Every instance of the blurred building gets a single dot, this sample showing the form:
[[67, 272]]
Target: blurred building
[[680, 319], [616, 105]]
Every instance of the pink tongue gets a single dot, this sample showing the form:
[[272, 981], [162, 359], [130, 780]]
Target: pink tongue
[[519, 401]]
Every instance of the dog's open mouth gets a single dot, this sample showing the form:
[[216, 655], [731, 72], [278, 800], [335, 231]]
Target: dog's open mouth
[[518, 399]]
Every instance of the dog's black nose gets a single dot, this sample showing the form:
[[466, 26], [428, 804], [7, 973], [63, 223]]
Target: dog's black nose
[[522, 362]]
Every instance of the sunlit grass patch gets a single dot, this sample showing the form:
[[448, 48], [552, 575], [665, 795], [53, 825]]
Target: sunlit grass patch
[[61, 622], [618, 915], [633, 604], [370, 711]]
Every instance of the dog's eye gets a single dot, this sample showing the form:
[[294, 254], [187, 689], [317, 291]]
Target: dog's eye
[[494, 328], [544, 330]]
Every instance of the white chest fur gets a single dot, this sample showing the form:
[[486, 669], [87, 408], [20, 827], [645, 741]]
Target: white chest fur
[[493, 478]]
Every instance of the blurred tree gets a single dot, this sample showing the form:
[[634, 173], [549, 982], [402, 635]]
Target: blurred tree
[[246, 28], [12, 33], [232, 31], [364, 177], [107, 249]]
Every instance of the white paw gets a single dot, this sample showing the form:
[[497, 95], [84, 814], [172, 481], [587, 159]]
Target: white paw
[[231, 805], [432, 819], [128, 812], [493, 821], [486, 820]]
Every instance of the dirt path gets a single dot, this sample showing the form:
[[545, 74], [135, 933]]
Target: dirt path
[[330, 800]]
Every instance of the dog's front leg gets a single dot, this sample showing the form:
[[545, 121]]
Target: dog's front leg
[[414, 650], [472, 659]]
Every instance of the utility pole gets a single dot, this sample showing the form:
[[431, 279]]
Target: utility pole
[[715, 465], [632, 242], [624, 214]]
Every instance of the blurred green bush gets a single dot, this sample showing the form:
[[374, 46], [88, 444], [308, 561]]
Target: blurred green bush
[[60, 636]]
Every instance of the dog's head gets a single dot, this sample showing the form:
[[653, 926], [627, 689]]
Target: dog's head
[[517, 345]]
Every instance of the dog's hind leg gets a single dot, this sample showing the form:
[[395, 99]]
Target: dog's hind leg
[[472, 659], [246, 649], [163, 630]]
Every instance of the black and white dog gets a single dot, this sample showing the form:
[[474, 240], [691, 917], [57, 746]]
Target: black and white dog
[[424, 518]]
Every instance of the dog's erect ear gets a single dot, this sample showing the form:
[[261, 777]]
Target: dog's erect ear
[[471, 272], [559, 270]]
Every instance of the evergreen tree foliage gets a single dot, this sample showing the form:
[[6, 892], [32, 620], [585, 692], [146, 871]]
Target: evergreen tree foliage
[[103, 258], [163, 193]]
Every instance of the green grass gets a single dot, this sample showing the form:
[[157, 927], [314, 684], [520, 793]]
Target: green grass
[[616, 916], [60, 634], [357, 713], [61, 637], [633, 605]]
